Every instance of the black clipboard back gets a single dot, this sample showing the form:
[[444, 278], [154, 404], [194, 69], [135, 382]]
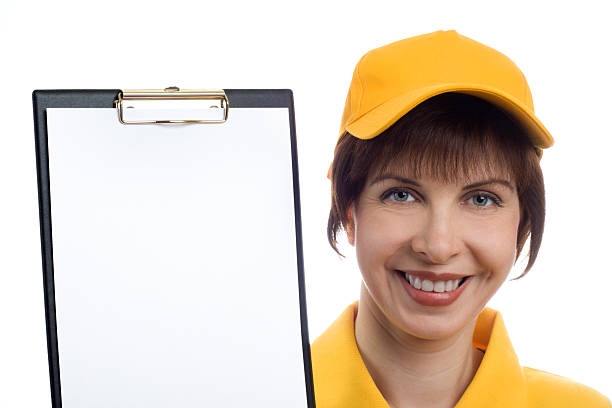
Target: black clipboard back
[[111, 98]]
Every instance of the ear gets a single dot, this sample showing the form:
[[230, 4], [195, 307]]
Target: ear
[[350, 227]]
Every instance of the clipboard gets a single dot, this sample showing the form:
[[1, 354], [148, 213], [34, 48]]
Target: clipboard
[[171, 248]]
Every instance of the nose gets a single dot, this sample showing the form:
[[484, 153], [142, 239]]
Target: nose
[[436, 240]]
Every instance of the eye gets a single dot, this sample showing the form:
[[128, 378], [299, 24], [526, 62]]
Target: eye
[[397, 195], [400, 195], [482, 197]]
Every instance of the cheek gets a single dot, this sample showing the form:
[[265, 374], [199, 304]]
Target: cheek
[[495, 248], [376, 240]]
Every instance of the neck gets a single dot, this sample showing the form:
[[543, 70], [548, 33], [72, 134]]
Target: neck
[[410, 371]]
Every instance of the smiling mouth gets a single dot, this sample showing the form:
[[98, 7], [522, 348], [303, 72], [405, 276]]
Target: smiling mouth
[[438, 286]]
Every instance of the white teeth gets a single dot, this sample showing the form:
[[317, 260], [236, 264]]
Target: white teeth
[[409, 278], [429, 286]]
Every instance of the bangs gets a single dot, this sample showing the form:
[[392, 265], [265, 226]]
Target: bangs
[[445, 158], [450, 146]]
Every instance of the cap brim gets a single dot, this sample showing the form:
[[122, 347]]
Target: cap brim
[[384, 115]]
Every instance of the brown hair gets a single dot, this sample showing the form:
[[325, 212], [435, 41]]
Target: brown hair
[[448, 137]]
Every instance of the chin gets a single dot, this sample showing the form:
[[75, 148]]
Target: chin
[[433, 327]]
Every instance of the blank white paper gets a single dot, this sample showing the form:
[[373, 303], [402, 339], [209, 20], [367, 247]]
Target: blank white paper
[[174, 249]]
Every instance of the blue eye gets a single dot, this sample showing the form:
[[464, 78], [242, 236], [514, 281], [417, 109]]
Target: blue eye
[[397, 195], [400, 195], [485, 196]]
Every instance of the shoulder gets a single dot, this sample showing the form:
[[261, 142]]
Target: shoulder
[[335, 340], [339, 374], [332, 362], [546, 389]]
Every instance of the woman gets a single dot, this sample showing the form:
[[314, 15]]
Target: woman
[[437, 183]]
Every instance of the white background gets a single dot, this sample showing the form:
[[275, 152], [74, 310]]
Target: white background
[[557, 316]]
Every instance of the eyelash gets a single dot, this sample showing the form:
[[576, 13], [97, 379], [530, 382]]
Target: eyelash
[[497, 202]]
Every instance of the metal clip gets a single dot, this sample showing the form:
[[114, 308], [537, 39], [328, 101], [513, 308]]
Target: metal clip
[[181, 106]]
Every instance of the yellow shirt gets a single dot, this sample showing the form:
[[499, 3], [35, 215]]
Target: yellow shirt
[[342, 380]]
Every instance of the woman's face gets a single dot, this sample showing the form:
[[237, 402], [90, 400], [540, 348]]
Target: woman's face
[[399, 226]]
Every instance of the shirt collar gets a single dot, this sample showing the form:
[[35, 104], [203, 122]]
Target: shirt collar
[[341, 378]]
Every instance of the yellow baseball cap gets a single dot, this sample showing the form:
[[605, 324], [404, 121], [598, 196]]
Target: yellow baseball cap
[[391, 80]]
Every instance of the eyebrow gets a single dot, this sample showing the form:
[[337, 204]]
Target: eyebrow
[[502, 182]]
